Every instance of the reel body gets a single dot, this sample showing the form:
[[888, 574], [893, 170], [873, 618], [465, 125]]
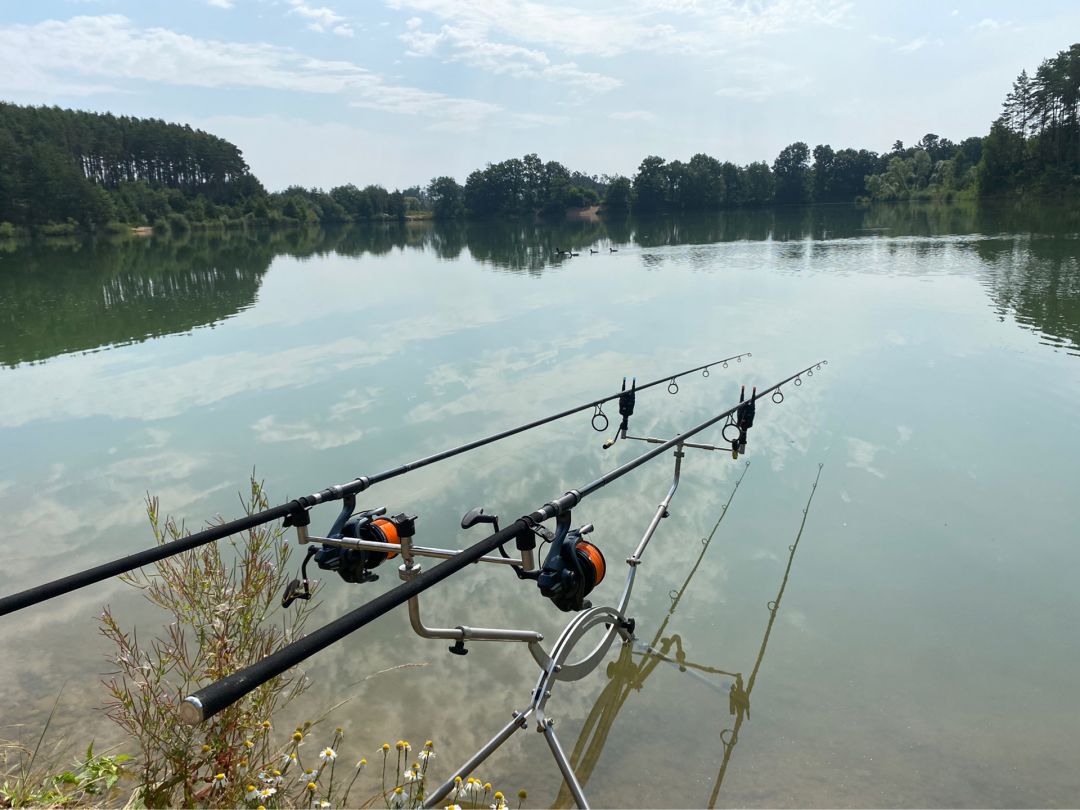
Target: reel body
[[573, 567], [355, 565]]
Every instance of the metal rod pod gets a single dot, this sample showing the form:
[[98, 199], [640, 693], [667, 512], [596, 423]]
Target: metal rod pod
[[211, 699]]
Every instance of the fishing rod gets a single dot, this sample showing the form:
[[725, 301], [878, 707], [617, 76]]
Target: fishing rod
[[299, 506], [563, 578]]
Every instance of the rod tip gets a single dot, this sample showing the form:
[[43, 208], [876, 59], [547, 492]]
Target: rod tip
[[191, 711]]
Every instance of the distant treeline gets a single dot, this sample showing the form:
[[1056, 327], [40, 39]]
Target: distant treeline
[[65, 170], [1035, 144], [62, 170]]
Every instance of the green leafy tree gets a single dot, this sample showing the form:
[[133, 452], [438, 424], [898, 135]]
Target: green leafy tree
[[618, 197], [791, 171], [757, 183], [447, 198], [650, 185], [824, 163]]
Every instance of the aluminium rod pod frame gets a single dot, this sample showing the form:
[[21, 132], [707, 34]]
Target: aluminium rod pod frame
[[405, 546], [558, 667]]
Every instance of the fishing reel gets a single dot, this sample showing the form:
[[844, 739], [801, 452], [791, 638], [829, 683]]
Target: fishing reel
[[573, 567], [355, 565], [351, 564]]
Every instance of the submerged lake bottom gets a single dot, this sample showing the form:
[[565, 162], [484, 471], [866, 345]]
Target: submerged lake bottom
[[916, 648]]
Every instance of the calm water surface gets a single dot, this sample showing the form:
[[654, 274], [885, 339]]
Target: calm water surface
[[925, 651]]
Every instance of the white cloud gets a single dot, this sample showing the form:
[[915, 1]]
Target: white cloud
[[762, 79], [471, 47], [916, 44], [321, 18], [990, 24], [220, 3], [861, 455], [632, 115], [749, 93], [46, 55], [270, 431], [646, 25]]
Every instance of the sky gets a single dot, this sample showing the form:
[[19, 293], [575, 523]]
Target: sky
[[396, 92]]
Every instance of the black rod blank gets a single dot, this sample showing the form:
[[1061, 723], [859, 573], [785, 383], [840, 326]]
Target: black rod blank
[[211, 699], [72, 582]]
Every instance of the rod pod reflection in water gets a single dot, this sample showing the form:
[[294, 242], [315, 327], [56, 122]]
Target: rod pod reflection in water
[[555, 666], [628, 676], [297, 509], [739, 697]]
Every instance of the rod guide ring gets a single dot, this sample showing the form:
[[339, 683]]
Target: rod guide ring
[[597, 414]]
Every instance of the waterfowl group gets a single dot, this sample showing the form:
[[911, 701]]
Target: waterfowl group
[[567, 253]]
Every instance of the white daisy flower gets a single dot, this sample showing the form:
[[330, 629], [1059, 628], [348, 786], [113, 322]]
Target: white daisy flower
[[426, 755], [328, 754], [219, 780], [474, 789], [397, 798], [458, 791]]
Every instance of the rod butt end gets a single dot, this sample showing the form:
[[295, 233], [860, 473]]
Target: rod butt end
[[191, 711]]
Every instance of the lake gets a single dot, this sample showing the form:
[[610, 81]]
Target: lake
[[925, 650]]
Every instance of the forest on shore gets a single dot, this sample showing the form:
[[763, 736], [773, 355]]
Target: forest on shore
[[66, 171]]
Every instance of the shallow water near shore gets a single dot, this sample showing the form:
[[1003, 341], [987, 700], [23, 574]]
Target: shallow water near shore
[[924, 650]]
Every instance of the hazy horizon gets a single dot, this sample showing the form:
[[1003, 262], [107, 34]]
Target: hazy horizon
[[397, 92]]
